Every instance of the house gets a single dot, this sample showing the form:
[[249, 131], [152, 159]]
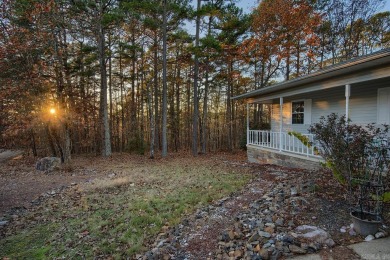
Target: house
[[358, 88]]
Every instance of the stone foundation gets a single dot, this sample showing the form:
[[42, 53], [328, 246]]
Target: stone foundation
[[267, 156]]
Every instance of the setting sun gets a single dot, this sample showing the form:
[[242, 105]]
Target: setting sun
[[52, 111]]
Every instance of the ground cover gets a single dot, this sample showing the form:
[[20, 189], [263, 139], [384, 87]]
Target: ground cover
[[116, 210], [129, 206]]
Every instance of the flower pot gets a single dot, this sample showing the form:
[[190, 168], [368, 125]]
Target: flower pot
[[365, 223]]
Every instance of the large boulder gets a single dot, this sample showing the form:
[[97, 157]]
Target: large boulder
[[314, 234], [48, 164]]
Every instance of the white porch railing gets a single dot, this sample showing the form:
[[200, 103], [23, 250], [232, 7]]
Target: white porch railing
[[283, 142]]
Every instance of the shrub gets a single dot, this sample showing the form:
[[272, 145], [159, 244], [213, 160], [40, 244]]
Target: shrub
[[350, 150], [358, 156]]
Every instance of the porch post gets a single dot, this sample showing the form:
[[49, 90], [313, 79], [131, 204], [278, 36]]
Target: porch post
[[247, 123], [281, 123], [347, 95]]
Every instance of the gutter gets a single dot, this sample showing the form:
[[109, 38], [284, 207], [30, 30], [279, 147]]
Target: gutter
[[328, 72]]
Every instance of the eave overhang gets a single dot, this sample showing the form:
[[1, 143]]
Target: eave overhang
[[352, 71]]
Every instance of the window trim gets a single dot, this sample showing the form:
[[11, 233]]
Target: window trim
[[303, 113]]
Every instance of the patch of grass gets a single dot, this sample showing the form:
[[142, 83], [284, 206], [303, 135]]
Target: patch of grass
[[119, 217], [28, 244]]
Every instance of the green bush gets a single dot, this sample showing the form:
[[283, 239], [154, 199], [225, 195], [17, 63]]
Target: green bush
[[352, 151]]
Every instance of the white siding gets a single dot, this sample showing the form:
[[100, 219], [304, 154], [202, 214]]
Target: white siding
[[383, 106], [362, 110]]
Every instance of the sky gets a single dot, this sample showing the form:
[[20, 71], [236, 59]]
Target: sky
[[248, 5]]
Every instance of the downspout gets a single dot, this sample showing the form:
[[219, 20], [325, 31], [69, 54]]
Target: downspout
[[347, 95], [281, 124]]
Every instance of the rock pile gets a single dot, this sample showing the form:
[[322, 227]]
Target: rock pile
[[264, 229]]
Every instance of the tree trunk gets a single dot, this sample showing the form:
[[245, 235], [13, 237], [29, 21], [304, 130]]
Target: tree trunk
[[164, 98], [229, 107], [177, 121], [33, 143], [156, 114], [205, 117], [152, 121], [110, 86], [103, 116], [196, 75]]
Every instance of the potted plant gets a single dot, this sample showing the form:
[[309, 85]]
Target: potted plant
[[359, 158]]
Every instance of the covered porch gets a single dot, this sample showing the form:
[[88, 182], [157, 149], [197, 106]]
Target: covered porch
[[288, 142], [358, 89]]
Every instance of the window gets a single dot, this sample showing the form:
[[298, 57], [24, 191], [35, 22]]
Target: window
[[298, 112]]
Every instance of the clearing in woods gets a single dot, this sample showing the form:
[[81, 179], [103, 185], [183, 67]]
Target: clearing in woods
[[122, 206]]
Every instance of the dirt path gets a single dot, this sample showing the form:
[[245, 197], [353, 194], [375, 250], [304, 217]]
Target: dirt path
[[9, 154], [21, 184]]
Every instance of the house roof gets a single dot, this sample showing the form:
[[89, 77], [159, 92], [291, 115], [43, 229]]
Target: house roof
[[354, 65]]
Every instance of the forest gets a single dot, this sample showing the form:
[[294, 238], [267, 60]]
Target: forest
[[104, 76]]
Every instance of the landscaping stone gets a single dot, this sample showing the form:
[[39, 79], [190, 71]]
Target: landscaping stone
[[296, 249], [377, 235], [264, 234], [48, 164], [369, 238], [262, 230], [312, 233]]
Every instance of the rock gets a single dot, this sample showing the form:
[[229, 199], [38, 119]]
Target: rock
[[257, 248], [294, 191], [264, 254], [254, 237], [352, 232], [296, 249], [314, 246], [3, 223], [369, 238], [48, 164], [276, 254], [238, 253], [377, 235], [343, 230], [266, 245], [270, 225], [264, 234], [221, 244], [288, 239], [269, 230], [312, 233], [329, 242], [225, 236], [279, 222], [231, 234], [304, 246]]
